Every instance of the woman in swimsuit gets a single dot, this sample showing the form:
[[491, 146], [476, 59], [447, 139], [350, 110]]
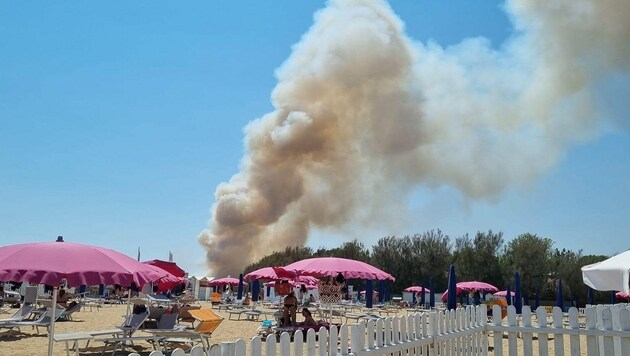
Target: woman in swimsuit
[[290, 308]]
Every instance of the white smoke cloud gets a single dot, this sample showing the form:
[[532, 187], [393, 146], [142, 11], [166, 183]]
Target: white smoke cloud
[[363, 114]]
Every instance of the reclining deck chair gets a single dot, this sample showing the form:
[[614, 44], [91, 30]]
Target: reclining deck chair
[[208, 322], [19, 315], [43, 321]]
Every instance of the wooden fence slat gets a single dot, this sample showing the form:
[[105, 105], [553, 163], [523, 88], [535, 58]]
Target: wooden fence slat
[[543, 337], [526, 315], [607, 343], [512, 336], [558, 339], [624, 325], [574, 339]]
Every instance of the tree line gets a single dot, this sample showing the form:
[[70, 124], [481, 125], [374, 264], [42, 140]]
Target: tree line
[[413, 259]]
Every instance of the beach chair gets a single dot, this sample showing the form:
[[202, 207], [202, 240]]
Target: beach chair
[[235, 312], [66, 314], [184, 313], [207, 323], [20, 315], [43, 321], [124, 334], [131, 324], [167, 322]]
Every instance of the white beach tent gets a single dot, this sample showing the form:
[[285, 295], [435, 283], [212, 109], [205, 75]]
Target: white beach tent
[[610, 274]]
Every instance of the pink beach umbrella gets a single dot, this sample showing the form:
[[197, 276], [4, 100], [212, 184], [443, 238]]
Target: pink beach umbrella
[[52, 262], [503, 293], [622, 295], [417, 289], [270, 273], [476, 285], [231, 281], [470, 286], [332, 266], [293, 284]]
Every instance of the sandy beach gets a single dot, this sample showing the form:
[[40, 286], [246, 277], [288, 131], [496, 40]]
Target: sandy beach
[[29, 343]]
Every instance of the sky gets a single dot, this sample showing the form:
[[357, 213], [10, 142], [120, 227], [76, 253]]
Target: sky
[[119, 120]]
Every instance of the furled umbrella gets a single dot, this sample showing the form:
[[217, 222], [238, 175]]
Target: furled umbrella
[[432, 293], [591, 296], [78, 264], [422, 297], [559, 298], [452, 289], [369, 293], [518, 302], [508, 295], [239, 293]]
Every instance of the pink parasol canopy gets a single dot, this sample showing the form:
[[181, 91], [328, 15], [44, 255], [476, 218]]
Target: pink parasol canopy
[[52, 262], [293, 284], [332, 266], [622, 295], [417, 289], [476, 285], [271, 273], [470, 286], [503, 293], [225, 281]]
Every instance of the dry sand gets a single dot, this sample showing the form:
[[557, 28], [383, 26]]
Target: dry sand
[[29, 343]]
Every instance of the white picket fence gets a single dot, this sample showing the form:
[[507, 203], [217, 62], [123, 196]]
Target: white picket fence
[[465, 331]]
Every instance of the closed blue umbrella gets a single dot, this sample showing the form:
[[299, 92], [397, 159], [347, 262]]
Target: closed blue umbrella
[[613, 298], [413, 297], [422, 298], [536, 299], [518, 302], [369, 291], [101, 290], [255, 290], [508, 295], [268, 291], [591, 296], [559, 298], [431, 293], [239, 293], [451, 300]]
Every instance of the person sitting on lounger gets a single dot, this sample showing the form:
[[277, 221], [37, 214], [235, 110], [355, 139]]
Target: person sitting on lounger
[[308, 317], [63, 297], [290, 309]]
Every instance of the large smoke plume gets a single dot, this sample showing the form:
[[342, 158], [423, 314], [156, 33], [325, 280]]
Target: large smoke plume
[[363, 114]]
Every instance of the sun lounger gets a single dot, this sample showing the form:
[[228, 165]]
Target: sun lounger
[[43, 321], [207, 323], [359, 316], [66, 314], [19, 315], [74, 338], [131, 324]]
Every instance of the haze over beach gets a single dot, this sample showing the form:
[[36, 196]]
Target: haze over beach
[[248, 127], [364, 115]]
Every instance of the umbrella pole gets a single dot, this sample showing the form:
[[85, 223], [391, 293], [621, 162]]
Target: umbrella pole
[[51, 332]]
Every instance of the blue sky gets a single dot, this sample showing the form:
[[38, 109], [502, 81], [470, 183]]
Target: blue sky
[[118, 121]]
